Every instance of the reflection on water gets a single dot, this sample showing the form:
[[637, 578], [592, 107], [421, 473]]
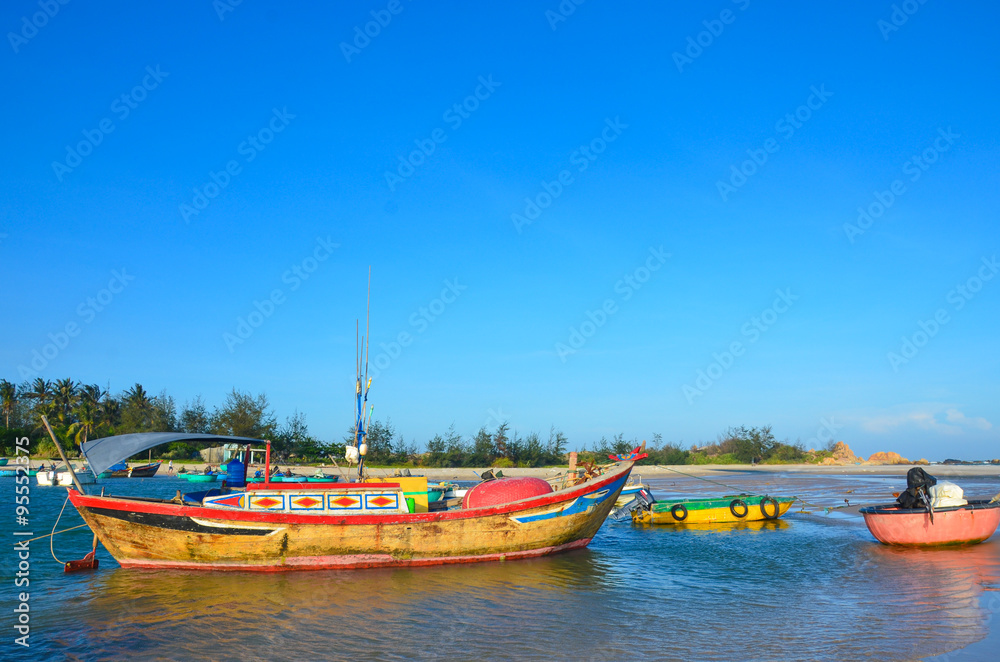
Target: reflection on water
[[797, 588]]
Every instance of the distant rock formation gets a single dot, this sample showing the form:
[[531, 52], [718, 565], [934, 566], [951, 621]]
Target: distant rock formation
[[842, 454], [887, 458], [922, 462]]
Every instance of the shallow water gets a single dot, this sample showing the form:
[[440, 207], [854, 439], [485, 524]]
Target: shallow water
[[806, 587]]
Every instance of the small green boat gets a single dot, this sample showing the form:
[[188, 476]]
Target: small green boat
[[438, 491], [201, 478], [726, 510], [9, 473]]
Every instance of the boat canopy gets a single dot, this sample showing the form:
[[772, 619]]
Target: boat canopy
[[102, 453]]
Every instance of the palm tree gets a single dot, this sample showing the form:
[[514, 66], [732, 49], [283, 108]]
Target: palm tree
[[91, 393], [137, 397], [110, 411], [41, 393], [86, 421], [64, 398], [8, 398], [137, 410]]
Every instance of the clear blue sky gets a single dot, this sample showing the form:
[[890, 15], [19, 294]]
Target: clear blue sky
[[615, 121]]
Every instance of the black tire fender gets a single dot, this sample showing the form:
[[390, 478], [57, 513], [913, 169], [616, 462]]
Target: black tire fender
[[738, 504], [769, 500], [679, 512]]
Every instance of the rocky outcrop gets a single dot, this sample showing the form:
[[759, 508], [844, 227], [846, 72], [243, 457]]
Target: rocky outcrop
[[842, 454], [887, 458]]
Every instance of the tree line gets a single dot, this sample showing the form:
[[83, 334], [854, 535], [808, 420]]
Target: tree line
[[78, 412]]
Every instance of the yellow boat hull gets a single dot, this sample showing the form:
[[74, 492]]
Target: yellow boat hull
[[713, 511]]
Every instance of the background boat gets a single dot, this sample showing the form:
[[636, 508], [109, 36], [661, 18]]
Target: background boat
[[64, 479], [958, 525], [144, 470], [728, 509]]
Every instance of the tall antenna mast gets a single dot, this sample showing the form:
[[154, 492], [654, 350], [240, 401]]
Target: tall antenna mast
[[362, 402]]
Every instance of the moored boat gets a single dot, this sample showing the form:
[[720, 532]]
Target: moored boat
[[967, 524], [724, 510], [342, 525], [10, 473], [274, 526], [144, 470], [201, 478], [64, 479], [440, 491]]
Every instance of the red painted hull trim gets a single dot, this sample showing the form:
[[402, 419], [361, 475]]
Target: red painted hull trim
[[351, 562]]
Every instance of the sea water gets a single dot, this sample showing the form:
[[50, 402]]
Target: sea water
[[810, 586]]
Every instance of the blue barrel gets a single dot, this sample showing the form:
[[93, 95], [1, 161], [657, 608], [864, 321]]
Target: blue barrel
[[236, 473]]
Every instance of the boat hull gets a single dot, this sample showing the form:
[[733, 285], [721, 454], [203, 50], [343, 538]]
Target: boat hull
[[961, 525], [158, 534], [63, 478], [144, 471], [714, 511]]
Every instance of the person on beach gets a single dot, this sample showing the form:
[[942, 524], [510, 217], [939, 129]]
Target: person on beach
[[170, 468]]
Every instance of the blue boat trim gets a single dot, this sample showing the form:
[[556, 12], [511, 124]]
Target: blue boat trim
[[579, 505]]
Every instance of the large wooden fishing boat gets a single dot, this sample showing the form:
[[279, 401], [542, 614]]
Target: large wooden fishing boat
[[341, 525], [363, 524]]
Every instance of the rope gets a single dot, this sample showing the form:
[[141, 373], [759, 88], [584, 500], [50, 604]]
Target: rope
[[728, 487], [739, 489], [52, 535]]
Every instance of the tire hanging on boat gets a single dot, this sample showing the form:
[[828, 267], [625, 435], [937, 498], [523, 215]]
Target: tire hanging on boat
[[738, 503], [763, 510], [679, 512]]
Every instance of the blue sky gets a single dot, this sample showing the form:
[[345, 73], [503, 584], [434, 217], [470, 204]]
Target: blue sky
[[641, 219]]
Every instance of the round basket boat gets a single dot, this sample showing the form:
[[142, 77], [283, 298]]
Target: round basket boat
[[201, 478], [956, 525]]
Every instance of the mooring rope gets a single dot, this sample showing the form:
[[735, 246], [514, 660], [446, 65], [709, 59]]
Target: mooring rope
[[47, 535], [52, 535], [739, 489]]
